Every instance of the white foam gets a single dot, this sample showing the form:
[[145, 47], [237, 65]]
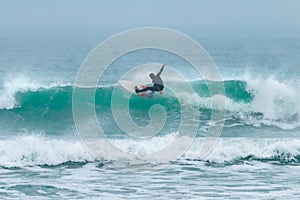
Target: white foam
[[134, 150], [36, 150], [146, 146], [275, 99], [12, 85], [234, 148]]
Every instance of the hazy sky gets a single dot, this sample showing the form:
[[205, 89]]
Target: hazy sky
[[208, 16]]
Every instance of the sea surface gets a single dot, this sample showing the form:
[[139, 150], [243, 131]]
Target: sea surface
[[257, 155]]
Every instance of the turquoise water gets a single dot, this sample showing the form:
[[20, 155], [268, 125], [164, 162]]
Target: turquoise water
[[258, 154]]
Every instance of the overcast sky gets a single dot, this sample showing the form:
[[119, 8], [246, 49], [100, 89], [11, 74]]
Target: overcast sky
[[279, 17]]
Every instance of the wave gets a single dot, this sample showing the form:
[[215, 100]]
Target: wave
[[231, 151], [35, 150], [60, 95], [256, 102]]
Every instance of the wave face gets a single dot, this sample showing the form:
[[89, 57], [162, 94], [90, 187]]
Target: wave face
[[256, 103]]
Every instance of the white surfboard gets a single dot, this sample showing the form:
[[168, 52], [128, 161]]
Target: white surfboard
[[128, 85]]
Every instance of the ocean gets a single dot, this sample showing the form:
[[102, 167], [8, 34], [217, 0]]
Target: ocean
[[257, 155]]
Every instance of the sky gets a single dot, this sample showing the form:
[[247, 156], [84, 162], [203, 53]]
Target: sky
[[244, 17]]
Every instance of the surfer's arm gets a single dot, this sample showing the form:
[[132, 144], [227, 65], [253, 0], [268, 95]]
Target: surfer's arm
[[161, 69]]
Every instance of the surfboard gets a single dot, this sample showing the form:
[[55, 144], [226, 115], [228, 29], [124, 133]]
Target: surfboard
[[130, 87]]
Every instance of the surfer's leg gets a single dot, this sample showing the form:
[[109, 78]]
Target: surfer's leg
[[155, 87], [152, 88]]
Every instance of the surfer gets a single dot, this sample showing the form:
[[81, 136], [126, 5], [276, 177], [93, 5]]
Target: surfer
[[158, 84]]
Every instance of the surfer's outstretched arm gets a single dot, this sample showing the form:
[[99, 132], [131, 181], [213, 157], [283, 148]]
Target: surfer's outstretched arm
[[161, 69]]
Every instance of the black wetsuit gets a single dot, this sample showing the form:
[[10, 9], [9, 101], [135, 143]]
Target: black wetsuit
[[158, 83]]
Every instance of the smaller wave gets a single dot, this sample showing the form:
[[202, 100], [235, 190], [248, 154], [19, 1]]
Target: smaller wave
[[229, 151], [35, 150]]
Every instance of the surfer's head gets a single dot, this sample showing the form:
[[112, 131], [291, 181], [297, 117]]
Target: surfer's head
[[151, 75]]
